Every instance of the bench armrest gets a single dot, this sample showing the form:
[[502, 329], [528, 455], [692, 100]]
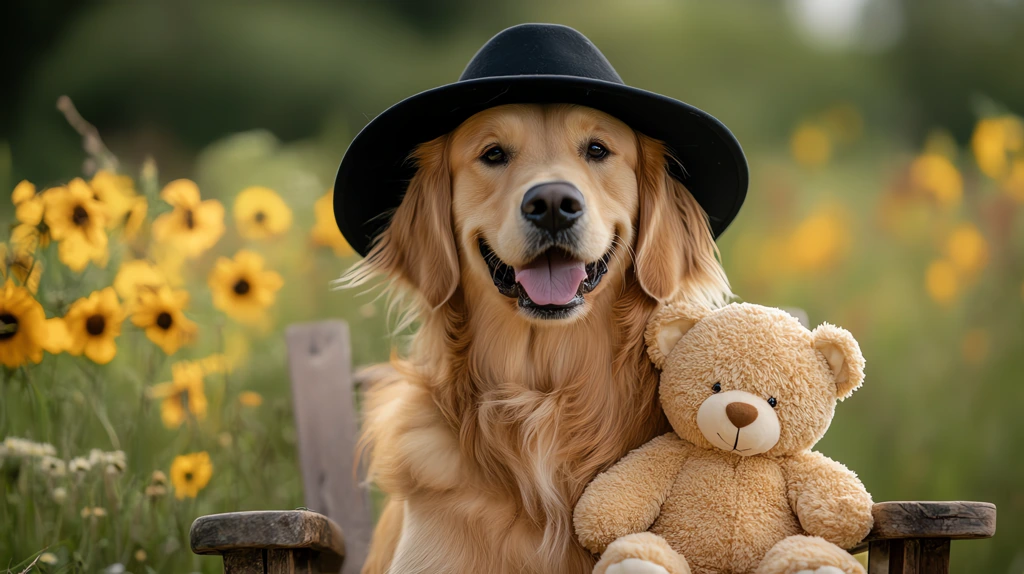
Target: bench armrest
[[270, 541], [957, 520]]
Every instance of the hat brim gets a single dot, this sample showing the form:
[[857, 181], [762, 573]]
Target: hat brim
[[375, 171]]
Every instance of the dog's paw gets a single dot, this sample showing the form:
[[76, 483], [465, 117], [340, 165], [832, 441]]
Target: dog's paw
[[637, 566], [822, 570]]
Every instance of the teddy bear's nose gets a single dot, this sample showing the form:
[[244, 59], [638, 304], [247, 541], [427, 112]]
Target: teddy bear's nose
[[741, 414]]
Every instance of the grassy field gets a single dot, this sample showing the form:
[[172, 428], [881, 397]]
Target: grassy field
[[145, 378]]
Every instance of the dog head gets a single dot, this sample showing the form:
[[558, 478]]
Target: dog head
[[751, 380], [542, 208]]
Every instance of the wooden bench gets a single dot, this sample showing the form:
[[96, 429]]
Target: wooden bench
[[908, 537]]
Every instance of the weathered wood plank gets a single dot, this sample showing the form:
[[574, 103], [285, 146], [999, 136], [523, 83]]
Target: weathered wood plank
[[327, 427], [235, 531], [955, 520], [244, 562], [878, 557], [295, 561]]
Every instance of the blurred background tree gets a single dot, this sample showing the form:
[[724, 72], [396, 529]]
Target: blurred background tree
[[860, 119]]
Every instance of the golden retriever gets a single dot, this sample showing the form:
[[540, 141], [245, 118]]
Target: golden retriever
[[532, 246]]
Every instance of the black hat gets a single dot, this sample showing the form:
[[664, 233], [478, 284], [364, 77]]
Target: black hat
[[532, 63]]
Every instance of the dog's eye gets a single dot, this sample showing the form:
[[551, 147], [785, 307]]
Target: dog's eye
[[596, 151], [716, 388], [494, 156], [772, 402]]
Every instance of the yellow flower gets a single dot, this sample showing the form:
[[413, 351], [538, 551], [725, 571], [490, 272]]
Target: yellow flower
[[25, 237], [992, 141], [190, 473], [250, 399], [242, 288], [135, 276], [935, 175], [194, 225], [28, 205], [183, 395], [93, 323], [48, 558], [116, 193], [169, 261], [29, 208], [159, 312], [17, 263], [57, 338], [135, 217], [820, 240], [325, 231], [941, 282], [22, 326], [810, 145], [260, 213], [76, 219], [967, 249]]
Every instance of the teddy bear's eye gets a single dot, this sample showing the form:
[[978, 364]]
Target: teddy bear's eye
[[772, 402], [717, 387]]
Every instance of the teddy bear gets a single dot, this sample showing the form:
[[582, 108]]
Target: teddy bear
[[736, 488]]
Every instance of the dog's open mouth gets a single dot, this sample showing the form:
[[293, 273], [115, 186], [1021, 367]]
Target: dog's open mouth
[[551, 285]]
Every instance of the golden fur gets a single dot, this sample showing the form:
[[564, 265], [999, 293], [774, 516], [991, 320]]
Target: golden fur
[[783, 510], [486, 432]]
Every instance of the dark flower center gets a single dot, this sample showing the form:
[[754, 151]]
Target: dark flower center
[[80, 216], [95, 325], [188, 477], [260, 217], [242, 287], [190, 219], [164, 320], [8, 326]]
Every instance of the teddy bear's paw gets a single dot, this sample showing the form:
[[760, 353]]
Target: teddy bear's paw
[[637, 566], [822, 570]]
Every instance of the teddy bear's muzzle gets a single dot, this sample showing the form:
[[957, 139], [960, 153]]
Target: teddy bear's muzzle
[[739, 422]]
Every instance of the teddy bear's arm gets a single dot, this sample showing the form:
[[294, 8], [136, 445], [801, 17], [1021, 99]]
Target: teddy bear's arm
[[828, 498], [627, 498]]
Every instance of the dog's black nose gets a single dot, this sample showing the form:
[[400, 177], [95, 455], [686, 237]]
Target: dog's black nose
[[553, 206]]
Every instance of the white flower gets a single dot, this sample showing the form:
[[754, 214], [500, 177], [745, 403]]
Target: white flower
[[60, 494], [48, 558], [21, 447], [79, 465], [53, 466], [96, 456]]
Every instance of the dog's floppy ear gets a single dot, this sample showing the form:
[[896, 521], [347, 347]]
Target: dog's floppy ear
[[418, 246], [842, 353], [674, 245], [668, 326]]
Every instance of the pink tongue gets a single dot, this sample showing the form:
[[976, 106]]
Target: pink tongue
[[551, 279]]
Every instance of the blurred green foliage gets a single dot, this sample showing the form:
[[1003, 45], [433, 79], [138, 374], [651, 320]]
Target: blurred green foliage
[[937, 417]]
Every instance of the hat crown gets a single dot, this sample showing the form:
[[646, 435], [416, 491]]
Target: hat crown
[[542, 50]]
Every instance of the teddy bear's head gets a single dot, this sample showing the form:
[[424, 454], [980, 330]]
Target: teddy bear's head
[[748, 379]]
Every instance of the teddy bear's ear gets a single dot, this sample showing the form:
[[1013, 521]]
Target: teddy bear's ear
[[669, 325], [842, 352]]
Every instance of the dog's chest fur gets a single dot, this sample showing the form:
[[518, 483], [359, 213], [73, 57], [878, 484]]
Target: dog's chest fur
[[519, 423]]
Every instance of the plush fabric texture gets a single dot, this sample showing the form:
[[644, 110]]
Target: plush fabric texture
[[643, 546], [532, 64], [798, 553], [781, 511]]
